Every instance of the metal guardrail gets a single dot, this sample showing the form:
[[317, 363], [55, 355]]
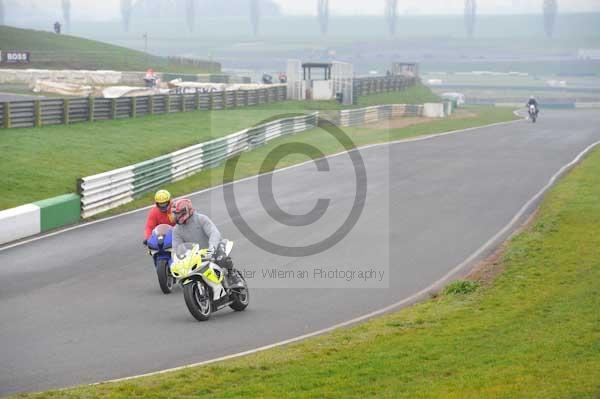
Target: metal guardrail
[[361, 116], [381, 84], [36, 113], [108, 190]]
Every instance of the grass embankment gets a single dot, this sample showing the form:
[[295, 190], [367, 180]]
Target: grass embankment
[[39, 163], [532, 332], [51, 51]]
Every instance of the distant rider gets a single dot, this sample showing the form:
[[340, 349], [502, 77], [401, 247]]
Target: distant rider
[[197, 228], [533, 101], [159, 214]]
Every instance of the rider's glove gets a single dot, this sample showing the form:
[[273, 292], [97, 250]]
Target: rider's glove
[[145, 242], [210, 252]]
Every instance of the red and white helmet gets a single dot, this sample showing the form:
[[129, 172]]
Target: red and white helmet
[[183, 210]]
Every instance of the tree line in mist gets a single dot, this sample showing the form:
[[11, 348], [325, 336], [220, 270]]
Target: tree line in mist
[[550, 9], [390, 12]]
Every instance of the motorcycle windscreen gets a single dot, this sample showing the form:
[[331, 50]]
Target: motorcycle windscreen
[[183, 250], [165, 231], [162, 229]]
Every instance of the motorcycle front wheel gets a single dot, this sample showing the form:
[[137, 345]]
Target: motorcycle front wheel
[[165, 280], [197, 299]]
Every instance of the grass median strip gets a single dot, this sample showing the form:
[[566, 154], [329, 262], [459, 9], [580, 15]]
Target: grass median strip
[[533, 331]]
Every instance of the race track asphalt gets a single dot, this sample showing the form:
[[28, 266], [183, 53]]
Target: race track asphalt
[[83, 306]]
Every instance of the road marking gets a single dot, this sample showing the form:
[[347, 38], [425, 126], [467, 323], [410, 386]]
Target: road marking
[[365, 147]]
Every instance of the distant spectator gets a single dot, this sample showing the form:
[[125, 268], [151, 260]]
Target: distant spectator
[[57, 27], [150, 79], [282, 78], [267, 79]]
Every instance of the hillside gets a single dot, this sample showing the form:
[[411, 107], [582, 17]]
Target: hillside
[[51, 51]]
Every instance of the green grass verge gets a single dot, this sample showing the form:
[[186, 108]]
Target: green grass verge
[[51, 51], [29, 156], [249, 164], [532, 332]]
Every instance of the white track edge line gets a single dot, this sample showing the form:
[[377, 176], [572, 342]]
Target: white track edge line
[[365, 147], [414, 297]]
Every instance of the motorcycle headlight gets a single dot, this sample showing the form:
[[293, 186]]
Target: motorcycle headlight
[[179, 269]]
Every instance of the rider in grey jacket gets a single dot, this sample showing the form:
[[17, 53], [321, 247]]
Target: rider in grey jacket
[[197, 228]]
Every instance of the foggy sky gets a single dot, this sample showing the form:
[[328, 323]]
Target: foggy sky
[[435, 6], [109, 9]]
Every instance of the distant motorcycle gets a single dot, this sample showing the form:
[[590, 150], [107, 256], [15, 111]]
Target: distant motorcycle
[[160, 247], [204, 280], [533, 112]]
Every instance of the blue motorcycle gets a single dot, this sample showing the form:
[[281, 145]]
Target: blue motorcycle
[[159, 247]]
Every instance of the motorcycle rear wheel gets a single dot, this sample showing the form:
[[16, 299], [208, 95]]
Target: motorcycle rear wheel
[[165, 280], [240, 300], [197, 300]]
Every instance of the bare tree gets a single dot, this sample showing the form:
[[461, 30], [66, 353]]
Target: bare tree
[[550, 10], [66, 9], [126, 13], [190, 14], [470, 16], [323, 12], [255, 15], [391, 15], [1, 12]]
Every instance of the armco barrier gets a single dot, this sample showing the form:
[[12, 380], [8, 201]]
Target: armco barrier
[[52, 111], [361, 116], [381, 84], [549, 105], [108, 190], [587, 105], [38, 217]]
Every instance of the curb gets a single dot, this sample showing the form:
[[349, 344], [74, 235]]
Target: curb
[[38, 217]]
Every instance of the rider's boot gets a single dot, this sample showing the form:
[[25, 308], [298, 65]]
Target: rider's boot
[[233, 278]]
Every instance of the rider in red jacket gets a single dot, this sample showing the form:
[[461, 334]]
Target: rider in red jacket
[[160, 213]]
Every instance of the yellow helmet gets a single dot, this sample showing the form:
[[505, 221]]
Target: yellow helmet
[[162, 197]]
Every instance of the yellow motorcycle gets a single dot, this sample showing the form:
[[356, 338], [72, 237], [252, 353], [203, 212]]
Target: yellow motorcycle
[[206, 279]]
